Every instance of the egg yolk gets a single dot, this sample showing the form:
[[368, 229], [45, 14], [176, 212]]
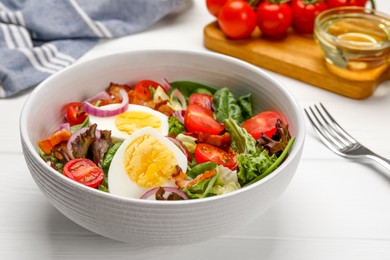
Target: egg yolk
[[148, 162], [131, 121]]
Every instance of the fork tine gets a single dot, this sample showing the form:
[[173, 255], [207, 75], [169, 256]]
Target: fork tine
[[332, 129], [323, 133], [334, 122]]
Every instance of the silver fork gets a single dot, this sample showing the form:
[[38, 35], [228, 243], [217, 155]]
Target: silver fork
[[338, 140]]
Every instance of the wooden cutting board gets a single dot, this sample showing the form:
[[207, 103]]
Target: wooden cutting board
[[295, 56]]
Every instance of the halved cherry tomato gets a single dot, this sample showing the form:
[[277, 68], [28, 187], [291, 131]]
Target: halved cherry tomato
[[214, 6], [208, 153], [237, 19], [274, 17], [75, 114], [200, 119], [55, 138], [142, 89], [263, 122], [304, 13], [205, 100], [84, 171]]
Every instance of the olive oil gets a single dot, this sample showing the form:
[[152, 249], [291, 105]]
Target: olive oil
[[358, 44]]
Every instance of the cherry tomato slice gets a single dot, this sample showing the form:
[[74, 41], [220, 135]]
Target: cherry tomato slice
[[263, 122], [142, 89], [208, 153], [205, 100], [237, 19], [75, 114], [200, 119], [84, 171]]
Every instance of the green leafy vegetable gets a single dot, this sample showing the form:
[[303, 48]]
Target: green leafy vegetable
[[189, 87], [242, 142], [108, 156], [276, 163], [175, 126], [201, 189], [201, 168], [226, 106]]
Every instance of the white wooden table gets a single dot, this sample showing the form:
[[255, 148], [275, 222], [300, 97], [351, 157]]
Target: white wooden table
[[333, 208]]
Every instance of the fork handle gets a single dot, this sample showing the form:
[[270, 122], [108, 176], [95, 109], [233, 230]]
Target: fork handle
[[381, 160]]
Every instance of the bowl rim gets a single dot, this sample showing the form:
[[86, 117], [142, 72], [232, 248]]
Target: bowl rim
[[294, 152]]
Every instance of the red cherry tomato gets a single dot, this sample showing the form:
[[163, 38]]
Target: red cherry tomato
[[208, 153], [263, 122], [304, 13], [200, 119], [214, 6], [84, 171], [205, 100], [142, 89], [75, 114], [273, 19], [340, 3], [237, 19]]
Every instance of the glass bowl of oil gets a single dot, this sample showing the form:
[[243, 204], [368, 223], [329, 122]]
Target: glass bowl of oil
[[355, 42]]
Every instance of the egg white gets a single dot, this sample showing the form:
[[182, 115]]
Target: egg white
[[119, 183], [108, 123]]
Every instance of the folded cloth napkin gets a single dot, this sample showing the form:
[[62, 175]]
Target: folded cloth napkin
[[40, 37]]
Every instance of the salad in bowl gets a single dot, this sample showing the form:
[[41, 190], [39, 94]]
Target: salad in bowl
[[179, 140]]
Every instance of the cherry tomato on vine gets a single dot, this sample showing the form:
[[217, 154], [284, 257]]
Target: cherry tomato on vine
[[340, 3], [274, 17], [214, 6], [75, 114], [304, 13], [237, 19]]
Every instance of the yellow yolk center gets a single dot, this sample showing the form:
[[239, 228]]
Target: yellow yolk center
[[148, 162], [131, 121]]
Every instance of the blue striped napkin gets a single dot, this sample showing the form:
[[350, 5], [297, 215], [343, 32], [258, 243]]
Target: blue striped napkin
[[40, 37]]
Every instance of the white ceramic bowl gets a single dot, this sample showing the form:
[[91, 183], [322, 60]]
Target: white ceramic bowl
[[156, 222]]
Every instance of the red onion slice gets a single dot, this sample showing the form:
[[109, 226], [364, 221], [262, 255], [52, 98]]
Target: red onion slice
[[104, 112], [65, 126], [166, 85], [153, 191], [179, 114], [103, 95], [182, 147]]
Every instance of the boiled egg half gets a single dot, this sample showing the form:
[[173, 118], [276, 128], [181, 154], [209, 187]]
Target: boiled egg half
[[145, 160], [136, 117]]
